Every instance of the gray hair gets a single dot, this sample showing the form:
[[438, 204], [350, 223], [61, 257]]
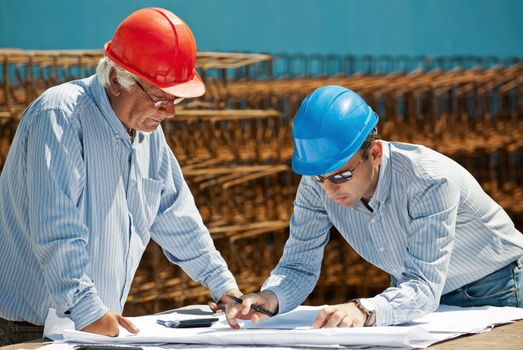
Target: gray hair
[[103, 70]]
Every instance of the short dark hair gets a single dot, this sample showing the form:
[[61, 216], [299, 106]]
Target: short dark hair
[[373, 136]]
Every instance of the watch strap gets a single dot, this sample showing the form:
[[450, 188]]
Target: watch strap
[[371, 314]]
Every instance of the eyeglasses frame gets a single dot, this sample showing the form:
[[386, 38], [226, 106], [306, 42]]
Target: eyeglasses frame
[[158, 103]]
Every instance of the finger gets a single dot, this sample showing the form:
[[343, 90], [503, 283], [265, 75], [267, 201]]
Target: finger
[[234, 292], [128, 325], [334, 319], [232, 310], [346, 322], [231, 319], [232, 314], [246, 306], [220, 307], [323, 315], [233, 323]]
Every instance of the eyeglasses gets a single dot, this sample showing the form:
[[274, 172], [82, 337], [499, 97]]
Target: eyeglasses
[[158, 103], [337, 178]]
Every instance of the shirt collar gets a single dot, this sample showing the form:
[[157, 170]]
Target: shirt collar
[[384, 181], [102, 101]]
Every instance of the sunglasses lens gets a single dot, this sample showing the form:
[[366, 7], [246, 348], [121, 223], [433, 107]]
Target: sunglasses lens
[[335, 179], [340, 178]]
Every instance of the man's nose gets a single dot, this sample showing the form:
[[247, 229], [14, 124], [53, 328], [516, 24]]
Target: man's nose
[[169, 110], [329, 187]]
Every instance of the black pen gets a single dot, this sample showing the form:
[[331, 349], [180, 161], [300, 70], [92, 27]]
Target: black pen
[[256, 308]]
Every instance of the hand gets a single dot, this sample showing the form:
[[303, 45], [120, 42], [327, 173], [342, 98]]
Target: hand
[[108, 325], [266, 299], [224, 299], [342, 315]]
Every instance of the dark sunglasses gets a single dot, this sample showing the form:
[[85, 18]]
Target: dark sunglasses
[[337, 178]]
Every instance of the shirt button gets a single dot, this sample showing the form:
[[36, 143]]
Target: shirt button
[[372, 221], [382, 249]]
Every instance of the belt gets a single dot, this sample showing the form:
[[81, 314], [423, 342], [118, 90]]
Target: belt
[[19, 323]]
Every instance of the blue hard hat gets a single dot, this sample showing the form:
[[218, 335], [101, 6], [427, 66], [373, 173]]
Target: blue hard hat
[[329, 128]]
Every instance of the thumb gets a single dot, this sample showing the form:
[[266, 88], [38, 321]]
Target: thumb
[[128, 325]]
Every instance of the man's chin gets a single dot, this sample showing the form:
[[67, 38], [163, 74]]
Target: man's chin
[[347, 202], [149, 129]]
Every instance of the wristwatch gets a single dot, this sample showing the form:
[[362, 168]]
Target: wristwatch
[[368, 308]]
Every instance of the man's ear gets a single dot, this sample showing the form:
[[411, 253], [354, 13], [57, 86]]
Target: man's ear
[[114, 86], [376, 151]]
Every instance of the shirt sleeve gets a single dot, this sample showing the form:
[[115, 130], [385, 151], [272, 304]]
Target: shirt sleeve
[[431, 235], [56, 181], [180, 231], [299, 268]]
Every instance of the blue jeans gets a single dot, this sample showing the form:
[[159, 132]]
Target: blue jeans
[[501, 288]]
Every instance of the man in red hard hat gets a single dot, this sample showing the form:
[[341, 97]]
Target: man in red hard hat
[[90, 179], [411, 211]]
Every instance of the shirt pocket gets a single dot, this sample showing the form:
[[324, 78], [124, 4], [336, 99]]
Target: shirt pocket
[[152, 190]]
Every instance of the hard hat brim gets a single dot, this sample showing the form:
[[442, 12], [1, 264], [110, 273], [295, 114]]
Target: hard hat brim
[[189, 89]]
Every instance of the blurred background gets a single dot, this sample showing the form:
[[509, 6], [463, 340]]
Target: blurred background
[[357, 27], [446, 74]]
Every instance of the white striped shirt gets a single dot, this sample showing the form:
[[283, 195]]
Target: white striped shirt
[[432, 227], [78, 204]]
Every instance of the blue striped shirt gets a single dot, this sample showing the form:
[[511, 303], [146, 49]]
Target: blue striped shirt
[[432, 227], [78, 204]]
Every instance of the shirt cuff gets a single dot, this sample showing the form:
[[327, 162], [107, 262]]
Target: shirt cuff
[[89, 309], [284, 296], [222, 283], [383, 311]]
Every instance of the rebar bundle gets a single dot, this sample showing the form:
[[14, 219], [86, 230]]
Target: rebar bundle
[[235, 145]]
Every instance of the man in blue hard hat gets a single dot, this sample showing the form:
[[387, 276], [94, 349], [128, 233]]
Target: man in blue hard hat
[[407, 209]]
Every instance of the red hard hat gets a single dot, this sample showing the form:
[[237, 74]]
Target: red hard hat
[[157, 46]]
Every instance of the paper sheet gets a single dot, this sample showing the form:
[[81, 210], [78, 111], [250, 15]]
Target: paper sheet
[[293, 329]]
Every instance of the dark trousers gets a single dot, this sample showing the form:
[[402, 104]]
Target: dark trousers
[[12, 332]]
